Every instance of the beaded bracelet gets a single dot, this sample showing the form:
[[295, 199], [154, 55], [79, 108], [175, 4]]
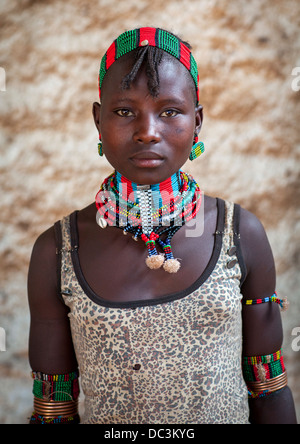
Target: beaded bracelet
[[40, 419], [284, 304], [56, 387], [55, 398], [264, 374]]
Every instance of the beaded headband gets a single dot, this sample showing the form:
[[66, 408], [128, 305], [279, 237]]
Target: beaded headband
[[130, 40]]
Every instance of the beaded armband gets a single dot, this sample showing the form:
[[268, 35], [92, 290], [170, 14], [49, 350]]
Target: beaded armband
[[55, 398], [284, 304], [264, 374]]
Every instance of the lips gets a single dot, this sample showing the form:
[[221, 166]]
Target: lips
[[147, 159], [146, 155]]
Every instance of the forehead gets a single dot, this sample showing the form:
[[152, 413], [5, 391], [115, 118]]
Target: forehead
[[174, 79]]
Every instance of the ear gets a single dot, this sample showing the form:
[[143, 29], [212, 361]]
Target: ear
[[96, 114], [198, 118]]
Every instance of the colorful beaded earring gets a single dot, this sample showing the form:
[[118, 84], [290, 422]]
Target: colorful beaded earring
[[197, 149], [100, 149]]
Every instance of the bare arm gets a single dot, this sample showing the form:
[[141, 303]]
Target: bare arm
[[50, 344], [262, 327]]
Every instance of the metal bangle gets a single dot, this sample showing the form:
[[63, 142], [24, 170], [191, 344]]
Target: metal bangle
[[50, 409], [270, 385]]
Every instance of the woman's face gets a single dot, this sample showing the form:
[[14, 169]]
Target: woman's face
[[147, 139]]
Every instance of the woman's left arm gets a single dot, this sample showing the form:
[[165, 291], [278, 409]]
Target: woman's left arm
[[271, 400]]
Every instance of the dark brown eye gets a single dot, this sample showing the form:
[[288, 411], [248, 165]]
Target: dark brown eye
[[169, 113], [124, 112]]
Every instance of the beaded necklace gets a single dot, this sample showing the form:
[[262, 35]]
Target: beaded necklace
[[153, 213]]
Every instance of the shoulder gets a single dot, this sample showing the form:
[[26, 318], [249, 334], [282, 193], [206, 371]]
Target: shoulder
[[248, 221], [43, 261], [42, 282], [42, 264], [45, 246], [44, 251], [43, 272], [45, 243], [253, 236], [258, 257]]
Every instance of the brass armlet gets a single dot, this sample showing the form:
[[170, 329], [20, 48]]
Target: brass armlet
[[50, 409], [271, 385]]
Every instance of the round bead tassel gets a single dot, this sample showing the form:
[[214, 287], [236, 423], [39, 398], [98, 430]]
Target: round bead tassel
[[154, 262], [171, 265]]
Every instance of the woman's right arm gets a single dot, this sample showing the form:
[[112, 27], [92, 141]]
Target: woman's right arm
[[51, 350]]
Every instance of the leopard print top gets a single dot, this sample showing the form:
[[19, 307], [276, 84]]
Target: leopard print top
[[171, 360]]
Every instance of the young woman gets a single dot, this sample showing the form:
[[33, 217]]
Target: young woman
[[166, 322]]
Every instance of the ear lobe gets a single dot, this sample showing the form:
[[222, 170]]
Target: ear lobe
[[96, 115]]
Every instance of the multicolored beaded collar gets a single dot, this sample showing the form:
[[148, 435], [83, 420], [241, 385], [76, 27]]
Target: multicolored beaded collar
[[153, 213], [130, 40]]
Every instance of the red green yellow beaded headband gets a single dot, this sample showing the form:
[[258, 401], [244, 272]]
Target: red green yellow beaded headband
[[130, 40]]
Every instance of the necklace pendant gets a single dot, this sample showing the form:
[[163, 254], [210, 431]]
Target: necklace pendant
[[101, 221], [144, 195]]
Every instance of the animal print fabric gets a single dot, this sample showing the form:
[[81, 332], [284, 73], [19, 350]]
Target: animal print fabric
[[177, 362]]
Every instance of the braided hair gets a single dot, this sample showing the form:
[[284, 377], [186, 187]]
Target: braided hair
[[150, 57]]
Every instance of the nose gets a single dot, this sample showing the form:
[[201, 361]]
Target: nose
[[146, 131]]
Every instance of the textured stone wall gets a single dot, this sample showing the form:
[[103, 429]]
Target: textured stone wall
[[50, 51]]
